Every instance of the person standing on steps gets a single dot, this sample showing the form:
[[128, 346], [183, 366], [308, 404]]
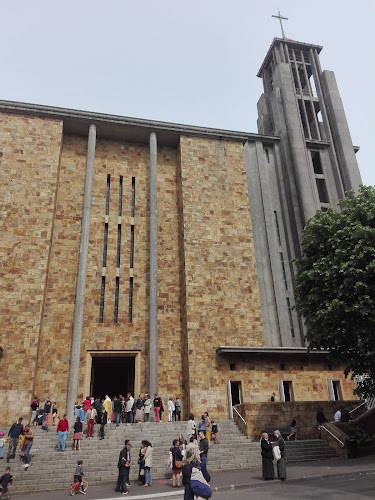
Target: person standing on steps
[[62, 431], [177, 411], [191, 427], [203, 447], [77, 436], [102, 420], [171, 408], [117, 408], [55, 414], [208, 426], [108, 406], [47, 412], [281, 469], [293, 428], [147, 408], [129, 402], [27, 444], [214, 432], [34, 406], [14, 434], [157, 405], [202, 425], [91, 416]]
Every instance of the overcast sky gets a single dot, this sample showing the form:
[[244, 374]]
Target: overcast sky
[[187, 61]]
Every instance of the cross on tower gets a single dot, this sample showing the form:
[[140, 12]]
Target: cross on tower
[[279, 17]]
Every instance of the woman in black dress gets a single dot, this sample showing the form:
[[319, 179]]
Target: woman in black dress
[[267, 457]]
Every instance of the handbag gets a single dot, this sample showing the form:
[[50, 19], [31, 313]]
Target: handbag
[[276, 453], [199, 485], [178, 464]]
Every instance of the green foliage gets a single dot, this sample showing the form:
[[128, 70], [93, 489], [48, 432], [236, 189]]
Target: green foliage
[[359, 435], [335, 284]]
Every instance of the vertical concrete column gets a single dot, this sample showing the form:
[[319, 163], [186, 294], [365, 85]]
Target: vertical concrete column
[[81, 279], [153, 318]]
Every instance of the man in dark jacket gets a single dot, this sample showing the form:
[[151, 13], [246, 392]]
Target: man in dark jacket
[[123, 466], [117, 408], [14, 433], [203, 447]]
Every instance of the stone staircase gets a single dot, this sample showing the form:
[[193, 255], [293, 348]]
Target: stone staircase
[[50, 470]]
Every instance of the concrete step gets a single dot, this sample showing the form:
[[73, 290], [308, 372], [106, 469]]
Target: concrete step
[[100, 456]]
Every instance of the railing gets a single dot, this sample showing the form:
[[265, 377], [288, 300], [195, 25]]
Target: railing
[[320, 427], [239, 414], [359, 406]]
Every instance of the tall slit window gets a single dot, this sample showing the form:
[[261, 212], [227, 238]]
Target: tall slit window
[[131, 263], [118, 255], [320, 180], [105, 244]]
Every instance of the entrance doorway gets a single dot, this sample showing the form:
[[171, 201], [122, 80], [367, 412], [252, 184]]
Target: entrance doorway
[[234, 395], [112, 375]]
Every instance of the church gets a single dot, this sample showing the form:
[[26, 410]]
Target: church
[[156, 257]]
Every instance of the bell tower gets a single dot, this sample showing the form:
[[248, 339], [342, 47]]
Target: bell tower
[[302, 105]]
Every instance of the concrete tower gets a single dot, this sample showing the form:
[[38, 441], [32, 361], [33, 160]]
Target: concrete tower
[[301, 104]]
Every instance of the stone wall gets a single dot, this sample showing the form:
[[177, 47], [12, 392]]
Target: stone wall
[[29, 174], [222, 297], [115, 159], [259, 416]]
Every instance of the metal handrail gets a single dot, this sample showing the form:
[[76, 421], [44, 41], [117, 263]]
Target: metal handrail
[[356, 408], [239, 414], [320, 427]]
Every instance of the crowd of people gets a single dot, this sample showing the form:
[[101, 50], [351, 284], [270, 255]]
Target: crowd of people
[[185, 455]]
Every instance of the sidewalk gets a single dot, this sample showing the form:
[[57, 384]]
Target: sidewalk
[[222, 481]]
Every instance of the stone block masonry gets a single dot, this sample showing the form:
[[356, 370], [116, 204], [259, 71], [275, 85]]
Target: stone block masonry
[[29, 175], [222, 296]]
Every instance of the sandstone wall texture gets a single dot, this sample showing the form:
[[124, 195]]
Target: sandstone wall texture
[[207, 282], [29, 174], [272, 416], [222, 296]]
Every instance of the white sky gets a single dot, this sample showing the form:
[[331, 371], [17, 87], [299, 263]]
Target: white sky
[[187, 61]]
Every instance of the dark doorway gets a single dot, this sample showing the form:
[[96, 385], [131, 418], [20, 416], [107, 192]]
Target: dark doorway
[[236, 393], [112, 375]]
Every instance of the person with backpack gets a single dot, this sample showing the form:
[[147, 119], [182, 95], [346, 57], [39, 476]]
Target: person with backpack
[[195, 476]]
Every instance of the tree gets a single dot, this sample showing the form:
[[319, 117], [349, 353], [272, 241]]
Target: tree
[[335, 285]]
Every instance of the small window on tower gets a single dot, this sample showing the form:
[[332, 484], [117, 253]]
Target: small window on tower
[[317, 162]]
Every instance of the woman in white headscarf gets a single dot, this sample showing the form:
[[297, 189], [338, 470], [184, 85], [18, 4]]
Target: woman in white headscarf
[[281, 469]]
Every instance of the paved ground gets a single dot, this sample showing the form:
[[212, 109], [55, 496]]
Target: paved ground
[[222, 482], [351, 487]]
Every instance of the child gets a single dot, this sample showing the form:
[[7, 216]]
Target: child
[[5, 479], [78, 473], [2, 442], [214, 431], [55, 416]]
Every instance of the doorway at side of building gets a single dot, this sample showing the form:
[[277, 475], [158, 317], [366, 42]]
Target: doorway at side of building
[[112, 373], [234, 395]]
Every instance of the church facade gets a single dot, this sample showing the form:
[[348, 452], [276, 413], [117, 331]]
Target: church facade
[[151, 257]]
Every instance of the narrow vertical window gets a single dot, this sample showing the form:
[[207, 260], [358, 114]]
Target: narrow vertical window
[[118, 256], [105, 244], [290, 317], [131, 263]]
